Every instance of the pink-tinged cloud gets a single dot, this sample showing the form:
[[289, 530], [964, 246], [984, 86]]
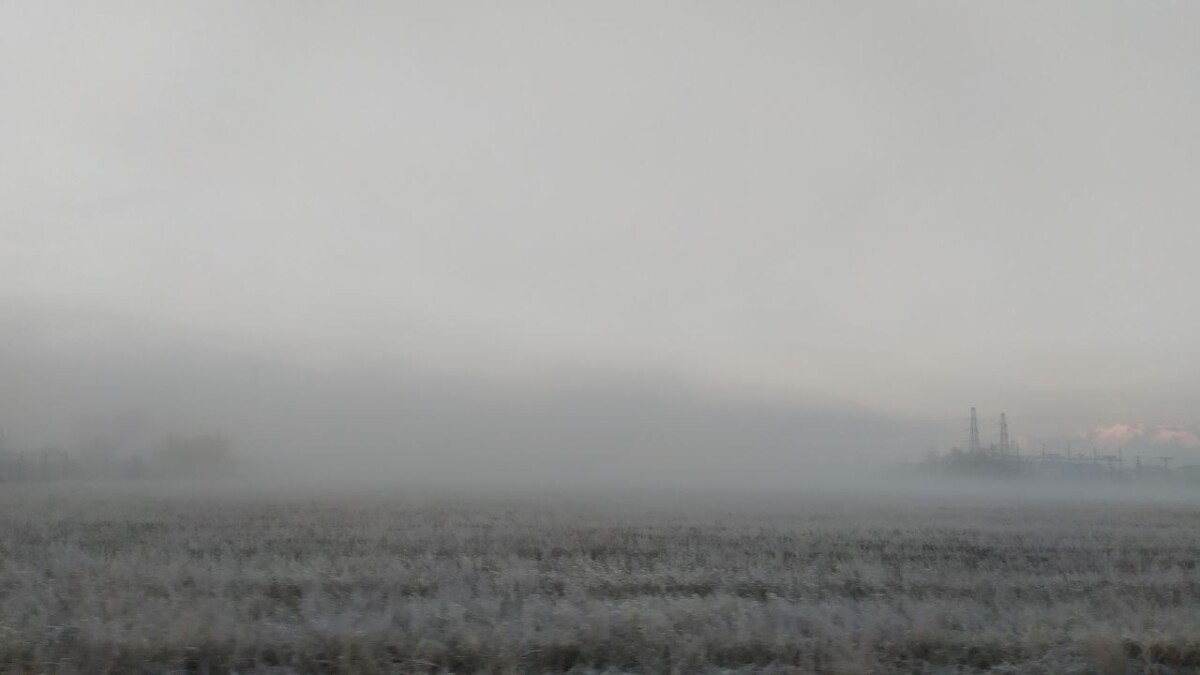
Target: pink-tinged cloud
[[1118, 434], [1125, 434], [1176, 436]]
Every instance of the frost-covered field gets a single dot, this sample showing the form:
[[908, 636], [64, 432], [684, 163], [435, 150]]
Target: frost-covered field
[[98, 580]]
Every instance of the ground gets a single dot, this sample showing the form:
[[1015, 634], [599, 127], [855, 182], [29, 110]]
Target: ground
[[119, 579]]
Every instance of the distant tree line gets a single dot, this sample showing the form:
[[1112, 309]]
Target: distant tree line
[[195, 456]]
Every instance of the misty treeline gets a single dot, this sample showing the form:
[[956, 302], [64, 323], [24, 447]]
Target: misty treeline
[[135, 385], [175, 456]]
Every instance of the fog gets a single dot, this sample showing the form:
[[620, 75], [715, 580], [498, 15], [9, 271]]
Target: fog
[[131, 387], [751, 247]]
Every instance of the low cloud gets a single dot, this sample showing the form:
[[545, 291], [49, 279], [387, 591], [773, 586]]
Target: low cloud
[[124, 389], [1117, 434], [1124, 434], [1176, 435]]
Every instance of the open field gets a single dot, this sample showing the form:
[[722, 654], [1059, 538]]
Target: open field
[[98, 580]]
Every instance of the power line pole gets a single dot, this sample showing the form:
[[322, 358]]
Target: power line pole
[[974, 432]]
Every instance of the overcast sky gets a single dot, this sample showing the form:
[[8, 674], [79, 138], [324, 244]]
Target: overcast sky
[[899, 208]]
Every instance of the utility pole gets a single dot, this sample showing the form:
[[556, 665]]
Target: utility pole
[[974, 443]]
